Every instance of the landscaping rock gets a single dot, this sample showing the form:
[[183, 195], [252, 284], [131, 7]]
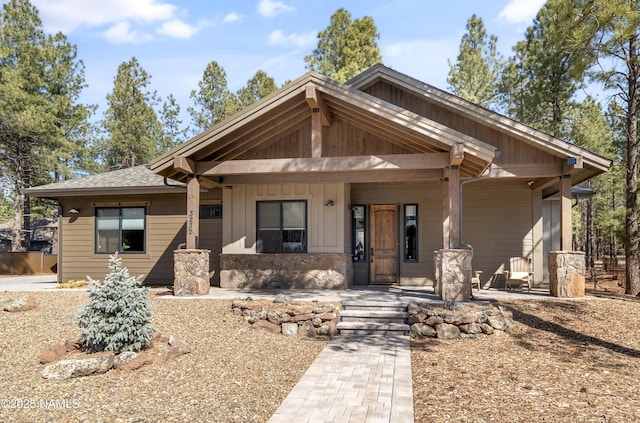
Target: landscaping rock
[[307, 330], [420, 330], [278, 317], [290, 329], [460, 319], [24, 303], [68, 369], [283, 299], [497, 321], [471, 328], [447, 331], [487, 329], [181, 347], [124, 358]]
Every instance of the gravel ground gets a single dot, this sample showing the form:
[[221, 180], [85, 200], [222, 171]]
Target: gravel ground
[[569, 361], [564, 361], [234, 373]]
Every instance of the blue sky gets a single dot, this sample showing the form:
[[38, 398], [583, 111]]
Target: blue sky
[[174, 40]]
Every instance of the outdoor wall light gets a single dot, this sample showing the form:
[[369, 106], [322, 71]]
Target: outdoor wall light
[[74, 211], [330, 203]]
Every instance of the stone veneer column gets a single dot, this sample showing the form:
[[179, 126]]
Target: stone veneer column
[[191, 272], [453, 274], [566, 273]]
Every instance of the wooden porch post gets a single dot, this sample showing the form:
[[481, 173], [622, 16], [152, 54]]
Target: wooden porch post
[[454, 206], [445, 214], [193, 212], [565, 213]]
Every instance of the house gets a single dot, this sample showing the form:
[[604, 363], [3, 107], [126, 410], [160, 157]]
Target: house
[[329, 185]]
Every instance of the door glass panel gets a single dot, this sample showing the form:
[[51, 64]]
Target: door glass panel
[[410, 232], [359, 225]]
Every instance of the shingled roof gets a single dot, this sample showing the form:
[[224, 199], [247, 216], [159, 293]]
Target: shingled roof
[[133, 180]]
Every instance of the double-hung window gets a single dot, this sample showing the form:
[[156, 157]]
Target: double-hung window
[[120, 229], [281, 226]]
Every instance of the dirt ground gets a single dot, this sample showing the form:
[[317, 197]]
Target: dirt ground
[[563, 361]]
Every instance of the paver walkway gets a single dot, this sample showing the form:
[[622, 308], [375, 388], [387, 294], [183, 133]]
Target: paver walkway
[[354, 379]]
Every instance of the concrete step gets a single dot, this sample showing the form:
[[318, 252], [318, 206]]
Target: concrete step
[[380, 316], [375, 305], [372, 328]]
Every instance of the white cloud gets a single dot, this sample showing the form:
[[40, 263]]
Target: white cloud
[[299, 40], [66, 15], [121, 33], [233, 17], [270, 8], [520, 11], [177, 29]]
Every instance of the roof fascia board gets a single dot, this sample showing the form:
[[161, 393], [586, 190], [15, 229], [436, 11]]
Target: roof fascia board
[[480, 114]]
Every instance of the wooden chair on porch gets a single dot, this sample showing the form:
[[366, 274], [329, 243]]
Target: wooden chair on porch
[[520, 273]]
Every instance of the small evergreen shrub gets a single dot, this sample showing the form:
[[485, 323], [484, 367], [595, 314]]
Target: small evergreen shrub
[[118, 316]]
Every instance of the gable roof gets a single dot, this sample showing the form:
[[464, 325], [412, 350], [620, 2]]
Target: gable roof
[[480, 114], [133, 180], [287, 110]]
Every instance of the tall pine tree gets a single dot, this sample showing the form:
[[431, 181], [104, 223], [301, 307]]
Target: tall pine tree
[[213, 102], [133, 130], [346, 47], [258, 87], [476, 74], [41, 121]]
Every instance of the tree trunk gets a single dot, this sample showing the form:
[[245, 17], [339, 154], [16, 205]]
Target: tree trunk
[[632, 272], [17, 244]]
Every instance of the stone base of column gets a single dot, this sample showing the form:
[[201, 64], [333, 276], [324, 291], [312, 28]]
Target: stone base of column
[[566, 273], [453, 274], [191, 272]]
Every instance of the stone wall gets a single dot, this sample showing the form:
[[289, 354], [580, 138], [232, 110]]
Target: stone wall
[[566, 273], [285, 271], [431, 321], [309, 319], [191, 272], [453, 274]]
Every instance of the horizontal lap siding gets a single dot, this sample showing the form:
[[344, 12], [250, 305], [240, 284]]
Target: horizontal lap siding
[[497, 222], [165, 232]]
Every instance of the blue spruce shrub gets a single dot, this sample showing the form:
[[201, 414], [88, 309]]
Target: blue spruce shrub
[[118, 316]]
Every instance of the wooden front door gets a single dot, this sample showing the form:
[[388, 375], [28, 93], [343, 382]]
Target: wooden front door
[[384, 242]]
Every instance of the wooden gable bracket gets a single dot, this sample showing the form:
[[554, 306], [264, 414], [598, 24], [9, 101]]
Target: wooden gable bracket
[[456, 155], [572, 165], [184, 165], [317, 104]]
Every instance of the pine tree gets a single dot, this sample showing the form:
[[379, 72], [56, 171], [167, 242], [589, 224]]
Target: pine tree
[[610, 31], [545, 73], [476, 74], [258, 87], [173, 133], [213, 100], [345, 48], [133, 129], [118, 316], [40, 117]]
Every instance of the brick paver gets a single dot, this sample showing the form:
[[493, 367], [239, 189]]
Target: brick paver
[[354, 379]]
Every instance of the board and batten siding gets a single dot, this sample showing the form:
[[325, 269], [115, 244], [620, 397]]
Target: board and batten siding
[[165, 231], [325, 224]]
